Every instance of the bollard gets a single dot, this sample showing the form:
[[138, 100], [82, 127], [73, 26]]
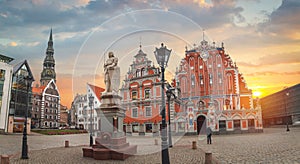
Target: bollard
[[155, 142], [66, 143], [194, 145], [208, 158], [4, 159]]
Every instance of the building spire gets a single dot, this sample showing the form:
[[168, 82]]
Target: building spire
[[140, 43], [50, 42], [48, 72], [50, 37], [203, 34]]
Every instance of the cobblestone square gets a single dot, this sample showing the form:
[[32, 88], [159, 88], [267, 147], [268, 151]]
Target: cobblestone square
[[275, 145]]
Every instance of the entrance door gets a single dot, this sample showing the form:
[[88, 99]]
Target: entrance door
[[201, 125]]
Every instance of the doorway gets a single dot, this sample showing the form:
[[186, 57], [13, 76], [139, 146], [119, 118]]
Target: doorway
[[201, 125]]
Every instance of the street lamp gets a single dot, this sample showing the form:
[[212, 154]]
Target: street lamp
[[28, 80], [162, 56], [169, 94], [91, 102], [286, 115]]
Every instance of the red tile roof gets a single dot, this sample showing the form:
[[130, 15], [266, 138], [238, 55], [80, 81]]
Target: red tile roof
[[97, 90], [38, 89]]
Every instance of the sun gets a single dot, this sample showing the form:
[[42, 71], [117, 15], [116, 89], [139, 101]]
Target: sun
[[256, 93]]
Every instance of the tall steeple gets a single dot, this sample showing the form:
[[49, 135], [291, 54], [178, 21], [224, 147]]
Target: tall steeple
[[48, 72]]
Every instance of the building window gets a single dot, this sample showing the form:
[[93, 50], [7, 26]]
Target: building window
[[201, 66], [134, 95], [219, 65], [251, 123], [147, 93], [237, 124], [134, 112], [135, 128], [222, 124], [201, 79], [138, 73], [220, 77], [46, 116], [193, 80], [46, 111], [210, 79], [148, 111]]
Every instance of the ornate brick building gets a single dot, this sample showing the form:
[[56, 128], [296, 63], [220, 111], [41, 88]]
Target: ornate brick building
[[214, 93], [141, 92]]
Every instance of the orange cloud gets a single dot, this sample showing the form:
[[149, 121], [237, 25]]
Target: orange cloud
[[13, 44]]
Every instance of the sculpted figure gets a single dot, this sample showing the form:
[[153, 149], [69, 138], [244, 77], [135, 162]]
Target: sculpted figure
[[112, 73]]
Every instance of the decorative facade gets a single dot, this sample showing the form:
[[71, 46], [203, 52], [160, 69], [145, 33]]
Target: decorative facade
[[46, 99], [6, 70], [141, 92], [213, 93]]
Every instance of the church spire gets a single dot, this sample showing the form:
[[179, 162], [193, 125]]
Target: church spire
[[50, 44], [48, 72], [50, 37]]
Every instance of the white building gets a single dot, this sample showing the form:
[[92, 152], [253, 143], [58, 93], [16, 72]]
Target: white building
[[5, 90], [79, 103], [82, 110]]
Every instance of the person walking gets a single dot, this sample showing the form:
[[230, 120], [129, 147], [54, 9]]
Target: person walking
[[208, 133]]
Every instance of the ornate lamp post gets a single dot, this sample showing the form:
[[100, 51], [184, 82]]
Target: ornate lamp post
[[91, 102], [162, 56], [28, 80], [169, 94], [286, 115]]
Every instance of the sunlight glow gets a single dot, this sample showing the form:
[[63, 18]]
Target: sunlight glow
[[256, 93]]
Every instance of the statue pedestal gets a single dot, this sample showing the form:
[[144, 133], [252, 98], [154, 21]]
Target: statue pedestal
[[111, 143]]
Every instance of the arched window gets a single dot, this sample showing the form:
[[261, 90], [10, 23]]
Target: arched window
[[229, 82], [201, 105], [193, 80]]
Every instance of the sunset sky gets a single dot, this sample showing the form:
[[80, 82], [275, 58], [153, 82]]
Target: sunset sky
[[262, 36]]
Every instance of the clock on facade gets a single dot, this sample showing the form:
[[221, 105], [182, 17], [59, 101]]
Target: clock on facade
[[204, 54], [49, 72]]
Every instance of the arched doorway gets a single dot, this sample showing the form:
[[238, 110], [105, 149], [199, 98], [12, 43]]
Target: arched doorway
[[201, 125]]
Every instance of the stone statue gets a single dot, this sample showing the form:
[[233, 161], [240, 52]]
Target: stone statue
[[112, 73]]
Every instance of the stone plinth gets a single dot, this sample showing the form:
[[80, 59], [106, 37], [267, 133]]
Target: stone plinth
[[108, 148], [111, 143]]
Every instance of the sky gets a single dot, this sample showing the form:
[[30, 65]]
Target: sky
[[261, 36]]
